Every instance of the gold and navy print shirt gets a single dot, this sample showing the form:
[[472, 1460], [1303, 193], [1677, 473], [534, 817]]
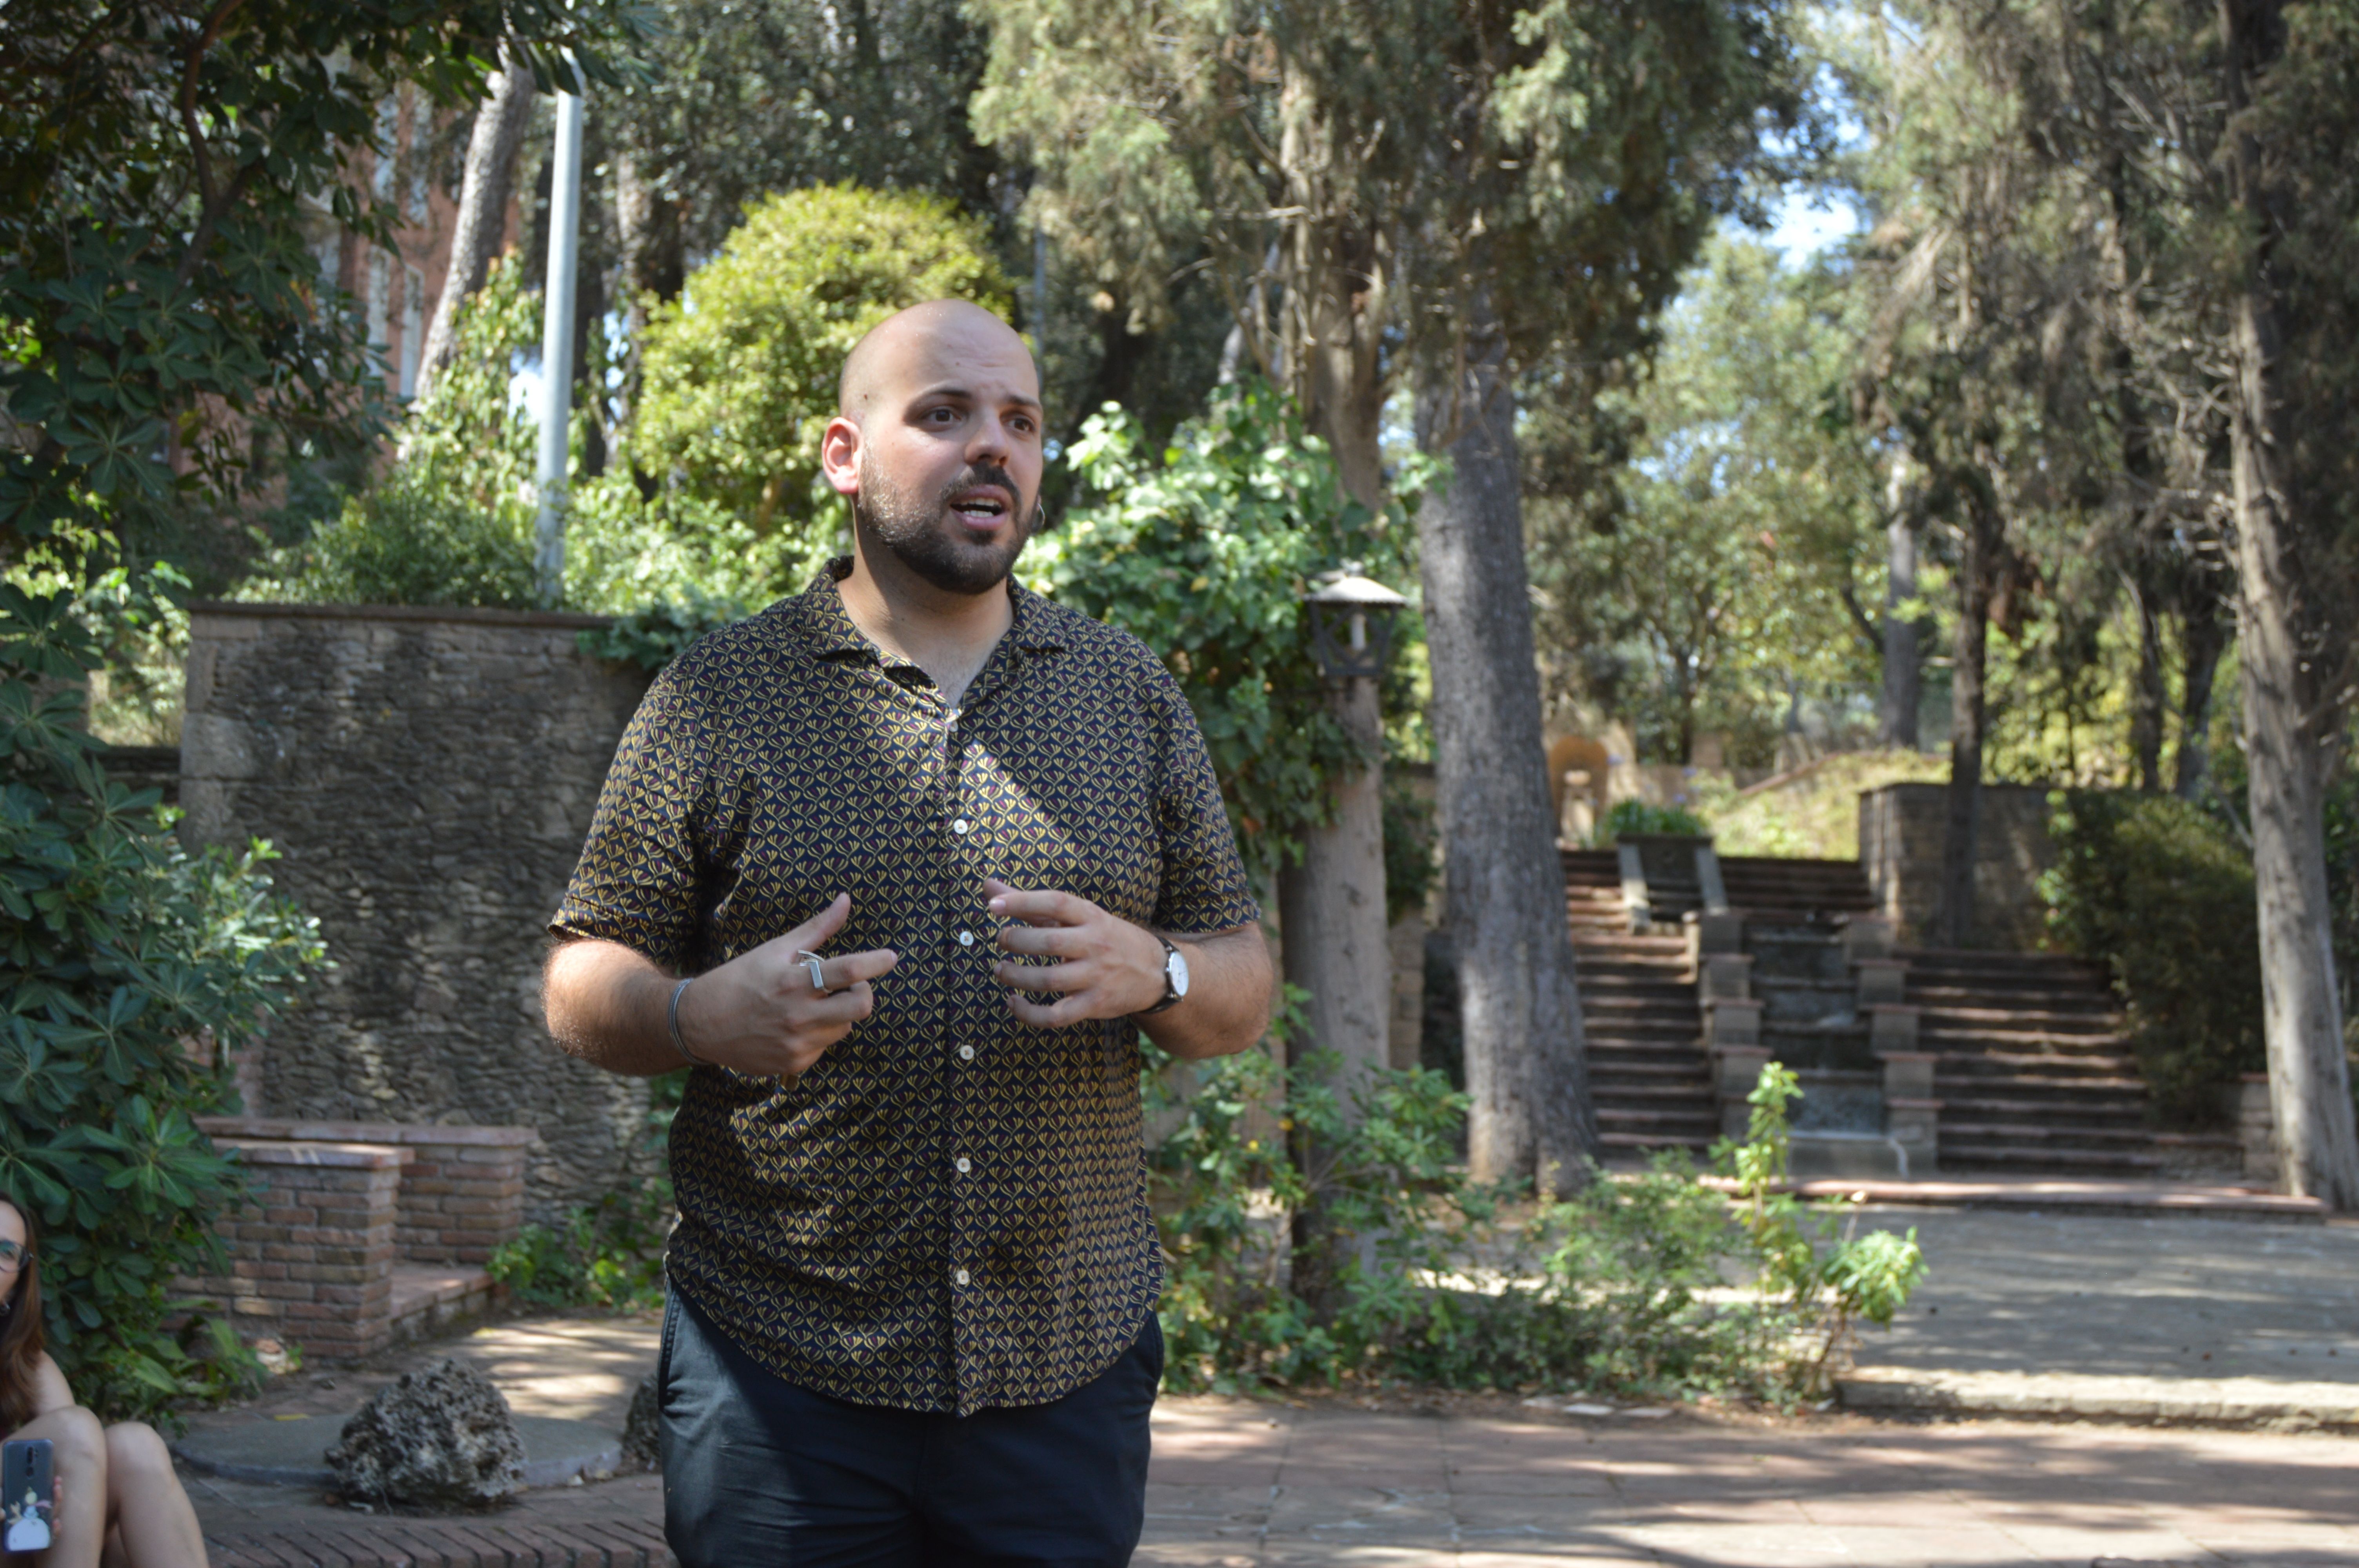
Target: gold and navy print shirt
[[948, 1210]]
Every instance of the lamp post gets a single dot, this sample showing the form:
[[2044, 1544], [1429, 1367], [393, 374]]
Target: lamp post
[[557, 347], [1331, 907]]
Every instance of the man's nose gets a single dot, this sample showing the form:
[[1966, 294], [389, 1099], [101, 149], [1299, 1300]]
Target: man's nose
[[991, 440]]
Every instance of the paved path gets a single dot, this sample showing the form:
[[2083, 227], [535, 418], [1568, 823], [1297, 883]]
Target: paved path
[[1332, 1485], [1489, 1483], [2165, 1297]]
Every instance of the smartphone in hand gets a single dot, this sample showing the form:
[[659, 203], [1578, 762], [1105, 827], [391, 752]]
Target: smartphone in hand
[[28, 1495]]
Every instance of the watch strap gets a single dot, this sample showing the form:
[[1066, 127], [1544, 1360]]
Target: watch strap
[[1171, 991]]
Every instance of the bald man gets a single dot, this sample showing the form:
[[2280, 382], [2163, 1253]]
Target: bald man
[[900, 870]]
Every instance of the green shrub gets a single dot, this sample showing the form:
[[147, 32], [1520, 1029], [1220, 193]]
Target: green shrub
[[1632, 817], [606, 1254], [1413, 1274], [403, 544], [131, 970], [1203, 551], [740, 370], [2161, 893]]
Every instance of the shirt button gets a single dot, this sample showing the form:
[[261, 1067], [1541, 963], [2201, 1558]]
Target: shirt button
[[964, 1167], [960, 826], [966, 938], [966, 1052], [959, 1277]]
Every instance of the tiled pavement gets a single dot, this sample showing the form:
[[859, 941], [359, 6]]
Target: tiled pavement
[[1238, 1483], [1490, 1484], [1334, 1485]]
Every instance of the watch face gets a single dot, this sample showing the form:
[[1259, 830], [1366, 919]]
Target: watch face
[[1177, 967]]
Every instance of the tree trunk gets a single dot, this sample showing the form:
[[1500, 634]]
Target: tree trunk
[[1903, 660], [1334, 300], [2147, 698], [482, 223], [1332, 911], [1526, 1070], [1976, 575], [2202, 639], [2286, 652]]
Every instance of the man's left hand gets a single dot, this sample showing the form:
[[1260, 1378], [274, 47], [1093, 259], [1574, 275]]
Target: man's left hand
[[1100, 964]]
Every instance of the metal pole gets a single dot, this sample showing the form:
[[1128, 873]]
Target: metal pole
[[557, 349]]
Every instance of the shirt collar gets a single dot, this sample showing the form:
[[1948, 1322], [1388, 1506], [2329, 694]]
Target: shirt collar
[[829, 627]]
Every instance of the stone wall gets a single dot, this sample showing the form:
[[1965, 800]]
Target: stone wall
[[1900, 831], [429, 776]]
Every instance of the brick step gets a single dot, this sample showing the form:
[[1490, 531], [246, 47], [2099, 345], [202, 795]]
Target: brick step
[[2035, 1160], [1970, 1107], [1987, 1071], [1966, 1134], [486, 1543], [1696, 1143], [1641, 1096]]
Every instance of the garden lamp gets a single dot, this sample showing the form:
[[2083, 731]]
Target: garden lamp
[[1351, 623]]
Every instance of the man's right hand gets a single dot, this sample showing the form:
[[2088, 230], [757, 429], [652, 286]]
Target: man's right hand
[[759, 1015]]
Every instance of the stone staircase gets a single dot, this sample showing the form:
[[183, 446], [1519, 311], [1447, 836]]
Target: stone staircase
[[2028, 1062], [2033, 1072], [1648, 1071]]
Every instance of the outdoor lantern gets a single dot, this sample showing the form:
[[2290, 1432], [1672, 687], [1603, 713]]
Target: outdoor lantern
[[1351, 623]]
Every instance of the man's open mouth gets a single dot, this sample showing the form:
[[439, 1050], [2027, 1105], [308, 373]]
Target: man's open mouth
[[983, 507]]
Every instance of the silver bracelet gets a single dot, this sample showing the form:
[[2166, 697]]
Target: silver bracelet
[[671, 1019]]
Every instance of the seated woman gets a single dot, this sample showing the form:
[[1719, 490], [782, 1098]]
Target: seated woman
[[117, 1492]]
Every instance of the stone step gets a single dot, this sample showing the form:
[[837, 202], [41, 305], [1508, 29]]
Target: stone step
[[2080, 1134], [2031, 1159]]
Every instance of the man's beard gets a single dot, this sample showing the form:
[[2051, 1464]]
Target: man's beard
[[922, 537]]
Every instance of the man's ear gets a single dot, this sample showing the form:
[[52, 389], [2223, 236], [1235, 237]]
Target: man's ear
[[839, 454]]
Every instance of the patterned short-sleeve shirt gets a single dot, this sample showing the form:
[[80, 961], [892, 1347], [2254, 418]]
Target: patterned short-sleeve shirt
[[948, 1210]]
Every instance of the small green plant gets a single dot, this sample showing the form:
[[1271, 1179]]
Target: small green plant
[[609, 1254], [1830, 1282], [1628, 818]]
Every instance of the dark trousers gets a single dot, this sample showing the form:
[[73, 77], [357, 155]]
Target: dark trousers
[[759, 1473]]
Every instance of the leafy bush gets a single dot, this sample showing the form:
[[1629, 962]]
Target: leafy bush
[[607, 1254], [405, 544], [1631, 818], [131, 967], [1205, 555], [740, 372], [1621, 1290], [2160, 893], [654, 636]]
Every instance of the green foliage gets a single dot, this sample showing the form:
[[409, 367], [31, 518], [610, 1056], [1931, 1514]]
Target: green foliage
[[1638, 816], [451, 522], [1700, 529], [607, 1254], [131, 968], [1205, 558], [2158, 892], [1826, 1284], [741, 370], [167, 182], [404, 543], [654, 636], [1419, 1276]]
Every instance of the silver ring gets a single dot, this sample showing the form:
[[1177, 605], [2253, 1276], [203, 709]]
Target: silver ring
[[811, 962]]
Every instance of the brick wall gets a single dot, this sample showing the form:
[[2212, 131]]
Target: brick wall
[[463, 1188], [311, 1256], [428, 777]]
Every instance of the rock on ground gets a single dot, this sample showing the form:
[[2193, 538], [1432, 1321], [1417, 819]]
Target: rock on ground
[[640, 1443], [442, 1438]]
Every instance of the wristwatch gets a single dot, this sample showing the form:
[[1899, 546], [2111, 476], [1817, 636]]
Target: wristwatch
[[1175, 978]]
